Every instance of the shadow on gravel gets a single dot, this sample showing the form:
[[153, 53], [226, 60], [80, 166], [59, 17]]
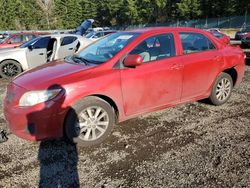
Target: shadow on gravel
[[58, 158], [58, 164]]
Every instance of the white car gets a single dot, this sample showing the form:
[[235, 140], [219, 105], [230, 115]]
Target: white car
[[38, 51]]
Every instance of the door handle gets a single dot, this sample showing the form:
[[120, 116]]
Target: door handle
[[70, 48], [41, 53]]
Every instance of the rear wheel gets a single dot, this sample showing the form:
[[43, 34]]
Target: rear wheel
[[222, 89], [10, 68], [89, 122]]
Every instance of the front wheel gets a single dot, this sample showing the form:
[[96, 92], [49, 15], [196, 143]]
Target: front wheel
[[10, 68], [89, 122], [222, 89]]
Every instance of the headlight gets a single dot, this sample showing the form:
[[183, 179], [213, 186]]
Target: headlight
[[35, 97]]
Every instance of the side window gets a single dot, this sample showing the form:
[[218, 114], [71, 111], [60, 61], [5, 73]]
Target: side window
[[156, 48], [28, 37], [68, 40], [42, 43], [16, 39], [195, 42]]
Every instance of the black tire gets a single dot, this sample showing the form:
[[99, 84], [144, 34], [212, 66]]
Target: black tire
[[75, 114], [218, 95], [10, 69]]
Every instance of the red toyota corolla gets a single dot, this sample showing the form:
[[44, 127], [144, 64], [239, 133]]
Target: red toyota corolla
[[119, 77]]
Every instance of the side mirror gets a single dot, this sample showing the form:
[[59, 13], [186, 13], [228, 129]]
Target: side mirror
[[30, 47], [132, 61], [9, 42]]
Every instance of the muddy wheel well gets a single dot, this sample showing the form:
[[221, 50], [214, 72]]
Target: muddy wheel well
[[233, 73], [112, 103]]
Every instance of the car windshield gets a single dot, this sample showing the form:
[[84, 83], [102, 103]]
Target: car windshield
[[106, 48], [26, 44]]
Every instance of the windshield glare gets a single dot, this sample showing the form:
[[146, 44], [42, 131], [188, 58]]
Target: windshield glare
[[106, 48]]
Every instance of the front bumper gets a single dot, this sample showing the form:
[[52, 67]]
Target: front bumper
[[39, 122]]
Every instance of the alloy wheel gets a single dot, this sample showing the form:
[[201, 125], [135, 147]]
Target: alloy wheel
[[223, 89], [10, 69], [93, 123]]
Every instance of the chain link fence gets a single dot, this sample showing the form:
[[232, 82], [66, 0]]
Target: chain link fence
[[220, 22]]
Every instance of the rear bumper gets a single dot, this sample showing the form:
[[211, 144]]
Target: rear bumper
[[240, 72]]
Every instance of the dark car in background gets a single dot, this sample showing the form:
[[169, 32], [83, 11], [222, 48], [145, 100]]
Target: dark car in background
[[242, 32], [17, 39], [245, 41]]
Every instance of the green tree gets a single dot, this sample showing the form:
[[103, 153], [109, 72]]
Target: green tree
[[189, 9], [128, 13]]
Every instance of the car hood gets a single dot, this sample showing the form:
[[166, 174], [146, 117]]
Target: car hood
[[9, 50], [57, 72]]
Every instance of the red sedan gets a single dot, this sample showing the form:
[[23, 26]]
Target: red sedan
[[120, 77], [16, 39]]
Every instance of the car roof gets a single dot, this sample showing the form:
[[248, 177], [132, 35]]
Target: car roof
[[61, 35], [166, 29]]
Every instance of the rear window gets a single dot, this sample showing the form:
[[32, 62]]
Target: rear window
[[68, 40]]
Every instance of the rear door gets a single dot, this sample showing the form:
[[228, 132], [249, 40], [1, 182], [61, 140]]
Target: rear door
[[155, 83], [201, 60], [67, 47], [38, 55]]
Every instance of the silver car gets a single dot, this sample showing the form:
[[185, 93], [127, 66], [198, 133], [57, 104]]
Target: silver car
[[39, 51]]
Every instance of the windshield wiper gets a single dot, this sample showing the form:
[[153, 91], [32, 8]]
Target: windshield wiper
[[85, 61]]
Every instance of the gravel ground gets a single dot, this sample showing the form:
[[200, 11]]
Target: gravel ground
[[191, 145]]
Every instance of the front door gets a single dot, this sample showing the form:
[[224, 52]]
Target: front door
[[155, 83]]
